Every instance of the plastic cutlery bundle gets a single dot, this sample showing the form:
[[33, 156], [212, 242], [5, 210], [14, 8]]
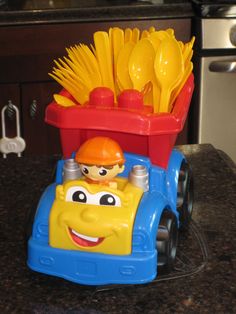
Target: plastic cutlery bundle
[[151, 61]]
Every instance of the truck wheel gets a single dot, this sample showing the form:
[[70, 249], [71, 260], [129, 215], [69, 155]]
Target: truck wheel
[[167, 238], [185, 195]]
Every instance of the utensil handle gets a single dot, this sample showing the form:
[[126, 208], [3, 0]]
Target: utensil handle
[[165, 100], [156, 97]]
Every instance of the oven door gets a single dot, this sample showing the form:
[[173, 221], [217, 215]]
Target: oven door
[[217, 111]]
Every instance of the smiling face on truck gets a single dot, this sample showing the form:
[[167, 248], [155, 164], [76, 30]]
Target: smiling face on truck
[[94, 218]]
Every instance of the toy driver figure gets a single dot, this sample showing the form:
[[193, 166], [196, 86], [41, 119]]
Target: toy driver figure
[[100, 160]]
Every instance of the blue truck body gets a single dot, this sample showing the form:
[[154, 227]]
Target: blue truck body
[[98, 268]]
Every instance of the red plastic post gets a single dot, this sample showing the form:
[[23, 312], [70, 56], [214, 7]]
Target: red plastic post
[[101, 97]]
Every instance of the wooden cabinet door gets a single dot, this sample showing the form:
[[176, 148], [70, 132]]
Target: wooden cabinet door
[[40, 138]]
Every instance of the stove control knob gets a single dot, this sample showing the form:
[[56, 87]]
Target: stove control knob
[[232, 35]]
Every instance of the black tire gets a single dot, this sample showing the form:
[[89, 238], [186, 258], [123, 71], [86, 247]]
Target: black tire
[[185, 195], [167, 239]]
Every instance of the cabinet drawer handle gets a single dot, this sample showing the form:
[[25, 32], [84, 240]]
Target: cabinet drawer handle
[[33, 109], [223, 66], [10, 111]]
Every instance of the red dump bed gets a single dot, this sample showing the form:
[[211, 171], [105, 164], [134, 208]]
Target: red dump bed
[[136, 129]]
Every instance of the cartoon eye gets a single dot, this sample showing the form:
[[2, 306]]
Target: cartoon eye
[[109, 199], [103, 172], [79, 196], [85, 170]]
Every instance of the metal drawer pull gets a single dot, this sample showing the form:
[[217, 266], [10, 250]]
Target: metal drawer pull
[[223, 66], [10, 110], [33, 109], [15, 144]]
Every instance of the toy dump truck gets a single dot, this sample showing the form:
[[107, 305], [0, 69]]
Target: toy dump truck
[[96, 235]]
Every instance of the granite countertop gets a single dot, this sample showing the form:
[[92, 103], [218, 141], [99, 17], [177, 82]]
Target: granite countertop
[[209, 286], [67, 11]]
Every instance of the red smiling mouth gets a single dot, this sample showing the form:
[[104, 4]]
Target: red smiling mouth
[[84, 240]]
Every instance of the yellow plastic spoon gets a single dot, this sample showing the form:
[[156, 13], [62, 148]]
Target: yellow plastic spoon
[[181, 45], [161, 35], [151, 29], [141, 64], [135, 35], [170, 32], [156, 38], [128, 35], [145, 34], [188, 70], [63, 101], [188, 58], [156, 92], [169, 70], [122, 75], [187, 50]]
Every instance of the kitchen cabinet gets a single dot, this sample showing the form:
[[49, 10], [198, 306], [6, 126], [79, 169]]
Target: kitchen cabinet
[[31, 99], [26, 57], [39, 136]]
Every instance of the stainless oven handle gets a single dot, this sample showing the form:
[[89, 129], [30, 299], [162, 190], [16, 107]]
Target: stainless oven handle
[[223, 66]]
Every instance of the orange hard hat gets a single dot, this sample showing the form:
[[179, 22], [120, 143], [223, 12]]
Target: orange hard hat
[[102, 151]]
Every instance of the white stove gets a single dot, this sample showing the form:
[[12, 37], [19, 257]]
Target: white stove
[[213, 115]]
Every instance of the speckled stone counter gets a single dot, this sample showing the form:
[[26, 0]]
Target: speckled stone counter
[[211, 289], [35, 12]]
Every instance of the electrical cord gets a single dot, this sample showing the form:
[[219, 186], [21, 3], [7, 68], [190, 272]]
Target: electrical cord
[[186, 267]]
